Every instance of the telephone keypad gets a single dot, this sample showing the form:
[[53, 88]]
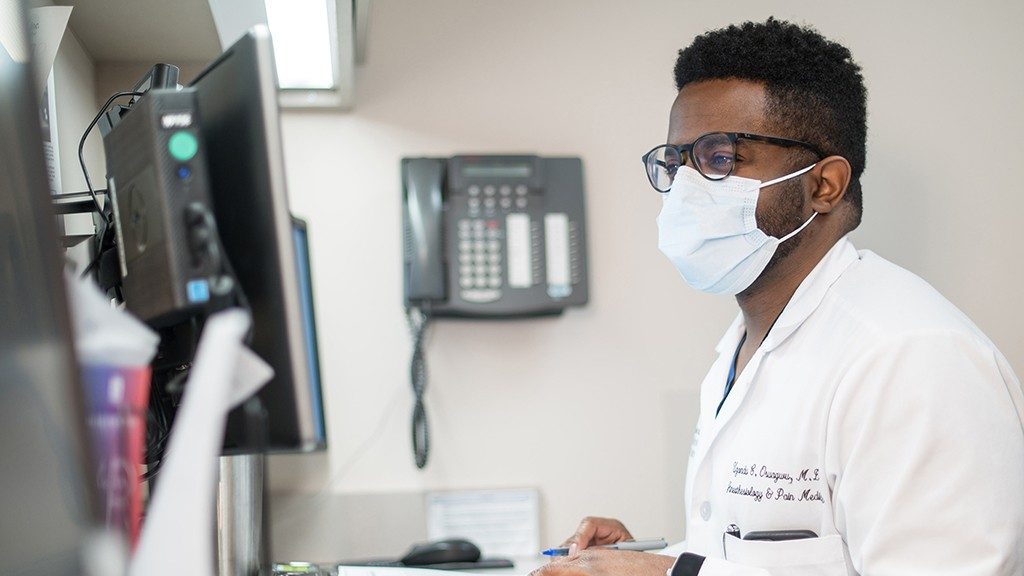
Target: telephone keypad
[[490, 200], [481, 238], [480, 257]]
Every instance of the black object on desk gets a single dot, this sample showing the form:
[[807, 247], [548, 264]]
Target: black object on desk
[[452, 554], [481, 564], [441, 552]]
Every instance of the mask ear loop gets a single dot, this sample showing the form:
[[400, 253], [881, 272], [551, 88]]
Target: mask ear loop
[[788, 176], [797, 231]]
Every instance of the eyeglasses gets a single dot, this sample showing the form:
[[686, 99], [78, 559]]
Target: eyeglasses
[[713, 155]]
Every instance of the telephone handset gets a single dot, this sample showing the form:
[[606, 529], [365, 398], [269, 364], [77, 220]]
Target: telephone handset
[[494, 236]]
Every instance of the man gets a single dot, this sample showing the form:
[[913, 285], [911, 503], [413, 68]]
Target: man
[[855, 421]]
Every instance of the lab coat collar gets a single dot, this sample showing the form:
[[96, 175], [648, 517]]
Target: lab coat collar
[[732, 336], [811, 292], [804, 301]]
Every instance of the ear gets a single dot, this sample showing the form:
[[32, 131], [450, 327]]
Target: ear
[[831, 177]]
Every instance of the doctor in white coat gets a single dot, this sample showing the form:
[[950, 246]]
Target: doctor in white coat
[[855, 422]]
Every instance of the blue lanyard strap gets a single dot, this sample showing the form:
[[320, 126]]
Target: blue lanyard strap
[[731, 379]]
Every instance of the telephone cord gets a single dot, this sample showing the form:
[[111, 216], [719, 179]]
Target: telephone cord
[[419, 321]]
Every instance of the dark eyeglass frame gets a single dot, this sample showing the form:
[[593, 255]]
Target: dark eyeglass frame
[[733, 138]]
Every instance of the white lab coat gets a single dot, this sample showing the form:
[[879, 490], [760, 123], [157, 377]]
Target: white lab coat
[[874, 414]]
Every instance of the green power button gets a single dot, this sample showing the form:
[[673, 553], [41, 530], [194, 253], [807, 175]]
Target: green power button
[[182, 146]]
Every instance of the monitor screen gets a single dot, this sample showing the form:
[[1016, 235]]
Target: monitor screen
[[240, 127], [46, 502], [309, 326]]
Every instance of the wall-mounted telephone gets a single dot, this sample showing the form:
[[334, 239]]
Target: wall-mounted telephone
[[494, 236], [488, 237]]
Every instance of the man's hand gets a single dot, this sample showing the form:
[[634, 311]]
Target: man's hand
[[596, 532], [598, 562]]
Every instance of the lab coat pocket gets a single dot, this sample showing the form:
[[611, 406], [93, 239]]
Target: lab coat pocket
[[807, 557]]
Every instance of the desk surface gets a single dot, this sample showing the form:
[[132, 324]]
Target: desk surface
[[522, 567]]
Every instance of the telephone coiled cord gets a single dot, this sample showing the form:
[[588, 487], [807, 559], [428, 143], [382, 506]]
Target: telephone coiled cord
[[419, 321]]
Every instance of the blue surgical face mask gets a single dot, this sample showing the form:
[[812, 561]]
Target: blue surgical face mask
[[709, 231]]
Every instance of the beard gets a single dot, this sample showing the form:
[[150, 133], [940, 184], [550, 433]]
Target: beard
[[781, 218]]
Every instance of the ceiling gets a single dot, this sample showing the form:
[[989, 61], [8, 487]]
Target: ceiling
[[145, 30]]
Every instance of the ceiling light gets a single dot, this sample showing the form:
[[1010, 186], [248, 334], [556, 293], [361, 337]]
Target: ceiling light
[[303, 43]]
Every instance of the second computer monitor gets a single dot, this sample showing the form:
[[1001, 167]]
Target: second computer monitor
[[240, 127]]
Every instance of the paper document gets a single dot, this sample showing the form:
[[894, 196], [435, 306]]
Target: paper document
[[377, 571], [51, 146], [501, 522], [46, 26]]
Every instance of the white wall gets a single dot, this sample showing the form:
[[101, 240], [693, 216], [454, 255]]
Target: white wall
[[74, 91], [595, 407], [74, 87]]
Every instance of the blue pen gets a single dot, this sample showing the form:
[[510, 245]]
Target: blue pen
[[637, 545]]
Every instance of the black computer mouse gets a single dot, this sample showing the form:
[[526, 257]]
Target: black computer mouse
[[441, 551]]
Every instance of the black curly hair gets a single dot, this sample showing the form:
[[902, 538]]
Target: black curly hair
[[814, 89]]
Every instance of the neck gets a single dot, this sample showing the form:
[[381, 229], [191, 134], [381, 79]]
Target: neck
[[768, 296]]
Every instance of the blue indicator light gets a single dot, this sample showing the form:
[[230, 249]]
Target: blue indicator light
[[198, 291], [184, 172], [559, 290]]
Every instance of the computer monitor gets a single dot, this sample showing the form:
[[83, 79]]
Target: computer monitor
[[301, 232], [47, 505], [240, 127]]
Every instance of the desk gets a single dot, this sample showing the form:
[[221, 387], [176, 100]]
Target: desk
[[522, 567]]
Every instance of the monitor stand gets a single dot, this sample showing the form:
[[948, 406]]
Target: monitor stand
[[243, 539]]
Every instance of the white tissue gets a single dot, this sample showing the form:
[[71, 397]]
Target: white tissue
[[103, 334], [177, 534]]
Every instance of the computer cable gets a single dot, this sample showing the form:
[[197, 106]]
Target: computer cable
[[104, 243], [81, 148], [419, 321], [164, 398], [92, 264]]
